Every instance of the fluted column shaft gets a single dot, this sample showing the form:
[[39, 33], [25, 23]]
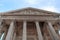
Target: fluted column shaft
[[54, 34], [10, 31], [40, 37], [24, 31], [14, 37], [1, 26]]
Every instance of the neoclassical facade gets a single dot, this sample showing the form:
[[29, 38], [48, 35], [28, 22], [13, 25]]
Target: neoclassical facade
[[29, 24]]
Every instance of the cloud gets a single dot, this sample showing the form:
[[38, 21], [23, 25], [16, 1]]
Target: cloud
[[50, 8], [32, 2], [49, 5]]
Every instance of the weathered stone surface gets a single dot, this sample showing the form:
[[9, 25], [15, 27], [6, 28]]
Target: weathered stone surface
[[30, 24]]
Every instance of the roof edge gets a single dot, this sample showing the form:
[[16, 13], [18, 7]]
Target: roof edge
[[13, 11]]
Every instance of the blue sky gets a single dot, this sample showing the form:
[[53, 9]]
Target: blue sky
[[50, 5]]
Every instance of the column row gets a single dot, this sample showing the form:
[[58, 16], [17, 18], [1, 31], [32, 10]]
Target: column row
[[24, 37], [52, 31]]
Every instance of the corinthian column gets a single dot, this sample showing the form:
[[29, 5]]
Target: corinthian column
[[52, 31], [24, 31], [10, 31], [38, 31]]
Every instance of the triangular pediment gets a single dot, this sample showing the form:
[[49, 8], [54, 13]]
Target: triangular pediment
[[29, 11]]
